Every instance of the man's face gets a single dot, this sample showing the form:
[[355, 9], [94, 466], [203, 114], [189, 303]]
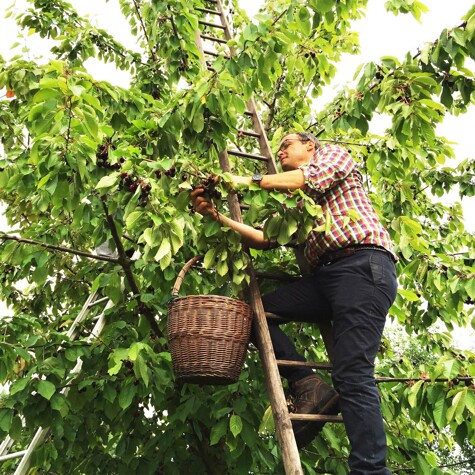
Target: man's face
[[293, 152]]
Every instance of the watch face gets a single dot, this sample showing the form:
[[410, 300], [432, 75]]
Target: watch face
[[257, 178]]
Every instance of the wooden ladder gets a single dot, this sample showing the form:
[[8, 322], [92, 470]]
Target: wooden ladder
[[215, 31]]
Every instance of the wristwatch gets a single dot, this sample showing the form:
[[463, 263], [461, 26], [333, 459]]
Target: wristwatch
[[257, 178]]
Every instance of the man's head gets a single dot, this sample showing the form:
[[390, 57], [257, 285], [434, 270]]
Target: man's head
[[296, 149]]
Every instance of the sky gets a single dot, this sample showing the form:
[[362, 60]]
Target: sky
[[381, 34]]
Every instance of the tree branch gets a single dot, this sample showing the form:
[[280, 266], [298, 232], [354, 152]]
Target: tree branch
[[10, 237], [427, 380], [125, 262], [154, 56]]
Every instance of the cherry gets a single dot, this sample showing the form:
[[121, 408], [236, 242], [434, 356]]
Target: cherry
[[158, 174]]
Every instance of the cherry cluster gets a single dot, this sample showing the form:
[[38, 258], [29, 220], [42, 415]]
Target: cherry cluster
[[131, 182], [102, 156], [171, 172], [208, 184]]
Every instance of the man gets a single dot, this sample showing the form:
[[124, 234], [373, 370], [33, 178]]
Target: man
[[353, 284]]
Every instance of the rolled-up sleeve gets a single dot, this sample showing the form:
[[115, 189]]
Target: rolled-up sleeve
[[330, 164]]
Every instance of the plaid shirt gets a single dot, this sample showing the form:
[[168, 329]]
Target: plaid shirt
[[333, 180]]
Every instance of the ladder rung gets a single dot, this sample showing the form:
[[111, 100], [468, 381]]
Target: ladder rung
[[249, 133], [12, 456], [249, 113], [98, 301], [208, 10], [212, 25], [237, 153], [213, 38], [315, 417], [308, 364]]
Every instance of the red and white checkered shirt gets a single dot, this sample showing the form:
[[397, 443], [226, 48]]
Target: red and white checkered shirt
[[333, 180]]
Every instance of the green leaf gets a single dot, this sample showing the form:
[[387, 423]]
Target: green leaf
[[210, 257], [45, 94], [108, 181], [91, 125], [235, 425], [323, 6], [198, 122], [132, 219], [438, 413], [409, 295], [163, 250], [218, 431], [141, 370], [267, 425], [127, 394], [470, 287], [46, 389], [412, 399], [456, 410], [6, 416]]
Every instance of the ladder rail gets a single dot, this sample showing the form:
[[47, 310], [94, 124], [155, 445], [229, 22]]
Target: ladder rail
[[283, 424]]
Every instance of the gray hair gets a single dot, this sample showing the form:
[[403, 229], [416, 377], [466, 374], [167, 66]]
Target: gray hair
[[308, 137]]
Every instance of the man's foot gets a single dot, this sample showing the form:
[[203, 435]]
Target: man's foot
[[312, 396]]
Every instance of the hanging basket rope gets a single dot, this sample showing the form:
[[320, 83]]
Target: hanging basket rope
[[207, 335]]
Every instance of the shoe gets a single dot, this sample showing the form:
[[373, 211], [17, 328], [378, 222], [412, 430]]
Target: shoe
[[312, 396]]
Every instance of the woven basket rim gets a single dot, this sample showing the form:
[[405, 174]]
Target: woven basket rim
[[201, 296]]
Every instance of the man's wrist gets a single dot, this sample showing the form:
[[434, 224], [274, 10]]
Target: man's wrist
[[257, 178]]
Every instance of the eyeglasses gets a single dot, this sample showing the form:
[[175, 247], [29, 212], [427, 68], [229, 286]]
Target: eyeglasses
[[286, 144]]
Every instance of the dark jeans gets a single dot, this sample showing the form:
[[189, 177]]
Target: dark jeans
[[355, 292]]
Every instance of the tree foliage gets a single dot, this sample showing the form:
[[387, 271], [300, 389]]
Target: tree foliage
[[86, 163]]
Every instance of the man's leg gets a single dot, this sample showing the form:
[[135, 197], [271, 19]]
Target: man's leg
[[361, 288], [300, 301]]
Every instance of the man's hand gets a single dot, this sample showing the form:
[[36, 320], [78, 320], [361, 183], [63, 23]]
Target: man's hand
[[201, 203]]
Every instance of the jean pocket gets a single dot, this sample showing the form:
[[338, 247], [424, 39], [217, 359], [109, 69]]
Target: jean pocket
[[377, 267]]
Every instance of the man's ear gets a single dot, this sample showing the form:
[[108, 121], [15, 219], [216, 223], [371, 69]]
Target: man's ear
[[311, 146]]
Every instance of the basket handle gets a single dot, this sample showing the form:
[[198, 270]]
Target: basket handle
[[181, 275]]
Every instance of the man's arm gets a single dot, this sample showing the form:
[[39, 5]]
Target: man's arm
[[286, 181], [250, 236]]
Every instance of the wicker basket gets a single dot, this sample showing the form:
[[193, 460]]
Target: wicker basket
[[207, 335]]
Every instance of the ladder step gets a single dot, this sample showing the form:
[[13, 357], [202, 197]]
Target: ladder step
[[248, 133], [307, 364], [98, 301], [212, 25], [237, 153], [213, 38], [14, 455], [315, 417], [208, 10]]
